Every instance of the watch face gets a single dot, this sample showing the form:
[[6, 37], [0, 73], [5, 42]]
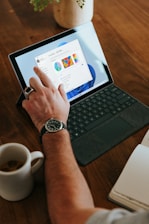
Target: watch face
[[53, 125]]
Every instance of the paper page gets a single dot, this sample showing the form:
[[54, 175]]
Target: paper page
[[145, 140], [134, 179]]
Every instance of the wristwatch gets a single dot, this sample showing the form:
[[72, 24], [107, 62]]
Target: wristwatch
[[51, 126]]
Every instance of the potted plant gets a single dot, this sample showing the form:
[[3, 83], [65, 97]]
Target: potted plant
[[67, 13], [40, 5]]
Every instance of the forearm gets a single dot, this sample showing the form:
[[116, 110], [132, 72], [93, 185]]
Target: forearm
[[66, 186], [68, 196]]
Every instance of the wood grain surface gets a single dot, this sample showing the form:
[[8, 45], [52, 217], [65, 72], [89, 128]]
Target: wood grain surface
[[123, 30]]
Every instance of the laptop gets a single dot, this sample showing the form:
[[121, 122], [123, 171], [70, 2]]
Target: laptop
[[101, 114]]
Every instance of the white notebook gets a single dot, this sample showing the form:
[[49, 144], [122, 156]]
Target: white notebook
[[131, 190]]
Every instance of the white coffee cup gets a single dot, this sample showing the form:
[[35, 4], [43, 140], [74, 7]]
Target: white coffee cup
[[17, 183]]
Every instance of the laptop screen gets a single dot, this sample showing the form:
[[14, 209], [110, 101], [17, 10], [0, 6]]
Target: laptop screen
[[74, 58]]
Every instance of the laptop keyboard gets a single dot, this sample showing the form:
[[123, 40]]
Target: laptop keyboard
[[96, 109]]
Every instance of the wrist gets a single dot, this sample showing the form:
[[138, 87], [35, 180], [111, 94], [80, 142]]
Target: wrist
[[52, 142], [41, 125], [52, 136], [52, 126]]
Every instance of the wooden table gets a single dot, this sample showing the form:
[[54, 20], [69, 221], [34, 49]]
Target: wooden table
[[122, 30]]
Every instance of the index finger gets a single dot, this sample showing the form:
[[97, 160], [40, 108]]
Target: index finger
[[44, 78]]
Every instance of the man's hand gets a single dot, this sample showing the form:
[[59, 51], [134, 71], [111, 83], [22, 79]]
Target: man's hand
[[46, 101]]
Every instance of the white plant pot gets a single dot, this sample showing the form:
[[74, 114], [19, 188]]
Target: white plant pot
[[68, 14]]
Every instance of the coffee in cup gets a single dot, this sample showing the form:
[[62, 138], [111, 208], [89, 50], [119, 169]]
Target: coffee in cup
[[11, 165]]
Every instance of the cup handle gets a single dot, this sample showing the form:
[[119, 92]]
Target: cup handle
[[40, 158]]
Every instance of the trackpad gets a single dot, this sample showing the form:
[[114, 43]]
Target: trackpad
[[114, 129], [100, 140]]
